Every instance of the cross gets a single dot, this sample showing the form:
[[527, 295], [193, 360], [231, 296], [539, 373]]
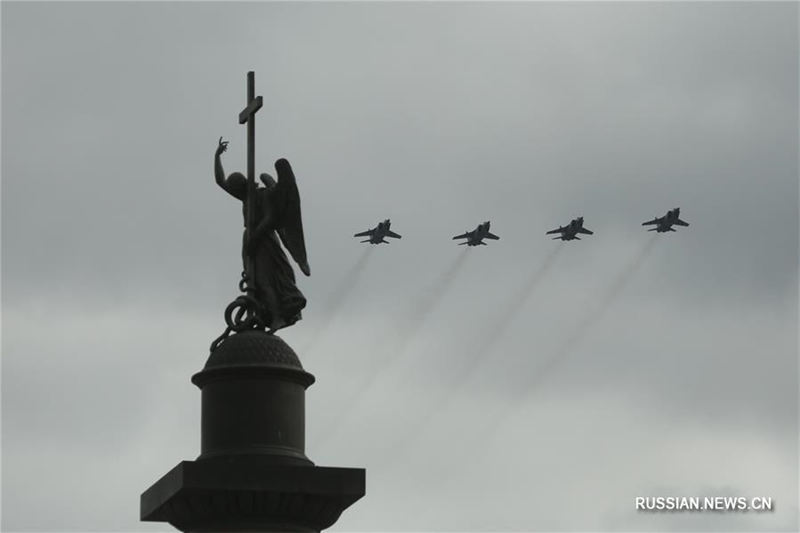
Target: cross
[[248, 115]]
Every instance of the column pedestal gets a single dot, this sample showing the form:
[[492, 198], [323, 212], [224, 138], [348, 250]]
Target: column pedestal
[[252, 473]]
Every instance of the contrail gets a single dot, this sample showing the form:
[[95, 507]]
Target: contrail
[[419, 313], [339, 296], [522, 385], [459, 376], [506, 316], [614, 290]]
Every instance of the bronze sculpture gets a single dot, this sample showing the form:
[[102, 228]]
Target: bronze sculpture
[[271, 213]]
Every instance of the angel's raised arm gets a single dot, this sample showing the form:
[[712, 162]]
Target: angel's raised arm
[[235, 185]]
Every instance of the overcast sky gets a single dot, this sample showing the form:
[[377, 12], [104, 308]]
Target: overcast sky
[[526, 385]]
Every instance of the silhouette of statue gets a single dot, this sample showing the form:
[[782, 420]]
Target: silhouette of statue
[[273, 300]]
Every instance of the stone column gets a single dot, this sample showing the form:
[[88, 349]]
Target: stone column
[[252, 473]]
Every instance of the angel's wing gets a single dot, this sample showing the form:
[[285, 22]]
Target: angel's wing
[[290, 223]]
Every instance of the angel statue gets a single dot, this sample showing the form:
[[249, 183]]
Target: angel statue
[[273, 300]]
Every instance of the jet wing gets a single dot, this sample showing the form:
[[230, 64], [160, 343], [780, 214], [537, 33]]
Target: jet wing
[[586, 231], [557, 230], [367, 233], [492, 236], [680, 222], [462, 236], [654, 221], [390, 233]]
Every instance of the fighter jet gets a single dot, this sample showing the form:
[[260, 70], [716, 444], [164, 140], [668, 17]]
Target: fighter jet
[[476, 236], [666, 222], [378, 233], [571, 230]]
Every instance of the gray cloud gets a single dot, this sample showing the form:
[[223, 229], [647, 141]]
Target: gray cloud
[[119, 253]]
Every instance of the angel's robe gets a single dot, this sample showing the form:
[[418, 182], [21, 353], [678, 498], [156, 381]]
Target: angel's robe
[[272, 276]]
